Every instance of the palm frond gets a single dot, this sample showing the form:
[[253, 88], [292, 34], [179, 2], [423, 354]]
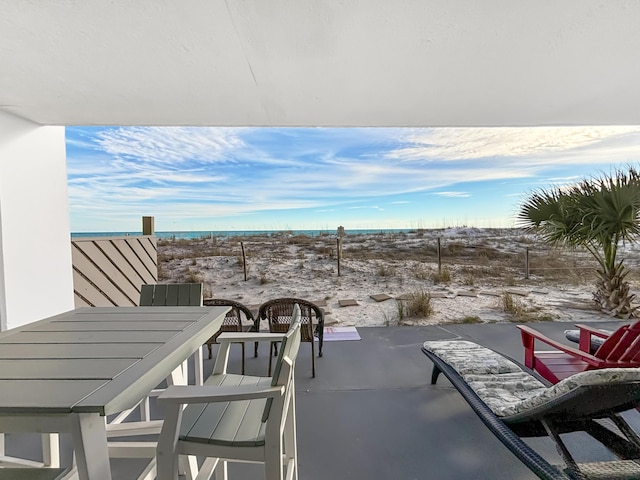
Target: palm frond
[[596, 214]]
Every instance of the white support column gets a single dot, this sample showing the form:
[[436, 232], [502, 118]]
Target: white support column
[[36, 278]]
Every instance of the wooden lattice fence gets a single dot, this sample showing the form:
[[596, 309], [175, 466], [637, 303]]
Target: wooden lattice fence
[[108, 271]]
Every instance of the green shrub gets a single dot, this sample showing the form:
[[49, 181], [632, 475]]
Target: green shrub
[[417, 304], [512, 305], [443, 277], [385, 270], [191, 276], [469, 319], [421, 273]]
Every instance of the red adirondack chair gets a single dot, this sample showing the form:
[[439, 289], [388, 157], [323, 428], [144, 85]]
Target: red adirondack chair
[[620, 349]]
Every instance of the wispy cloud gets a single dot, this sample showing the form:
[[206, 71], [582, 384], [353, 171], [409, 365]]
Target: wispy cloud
[[169, 145], [513, 143], [204, 174], [453, 194]]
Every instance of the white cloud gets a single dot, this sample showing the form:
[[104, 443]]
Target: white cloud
[[169, 145], [485, 143], [453, 194], [210, 172]]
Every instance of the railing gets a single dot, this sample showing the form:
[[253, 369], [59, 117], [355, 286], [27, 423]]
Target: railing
[[108, 271]]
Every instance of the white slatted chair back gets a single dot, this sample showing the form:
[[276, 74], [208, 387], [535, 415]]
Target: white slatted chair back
[[284, 368], [235, 418]]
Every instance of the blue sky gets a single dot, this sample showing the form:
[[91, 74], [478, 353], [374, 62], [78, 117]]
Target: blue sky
[[205, 178]]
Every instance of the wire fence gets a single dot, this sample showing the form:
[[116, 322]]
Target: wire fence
[[480, 252]]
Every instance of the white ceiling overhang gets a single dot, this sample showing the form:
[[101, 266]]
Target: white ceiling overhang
[[321, 62]]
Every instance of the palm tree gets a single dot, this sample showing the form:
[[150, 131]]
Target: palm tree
[[597, 214]]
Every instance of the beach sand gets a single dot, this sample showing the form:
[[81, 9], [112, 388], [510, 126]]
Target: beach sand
[[481, 276]]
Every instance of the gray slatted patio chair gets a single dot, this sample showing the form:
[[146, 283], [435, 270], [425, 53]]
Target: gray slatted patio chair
[[154, 295], [171, 295], [235, 417]]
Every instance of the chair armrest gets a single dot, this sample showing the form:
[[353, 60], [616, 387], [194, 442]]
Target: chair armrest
[[585, 334], [182, 394], [238, 337], [225, 339], [529, 335], [593, 331]]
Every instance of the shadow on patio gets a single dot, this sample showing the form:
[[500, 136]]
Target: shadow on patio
[[371, 412]]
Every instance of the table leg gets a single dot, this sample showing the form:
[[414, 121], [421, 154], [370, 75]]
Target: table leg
[[90, 443], [185, 370], [177, 377], [198, 366], [188, 466], [51, 450]]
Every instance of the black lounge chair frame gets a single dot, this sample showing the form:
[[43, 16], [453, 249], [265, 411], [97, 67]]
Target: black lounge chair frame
[[576, 411]]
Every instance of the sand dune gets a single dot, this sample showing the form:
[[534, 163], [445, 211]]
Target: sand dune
[[481, 277]]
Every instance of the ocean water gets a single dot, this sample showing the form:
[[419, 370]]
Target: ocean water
[[236, 233]]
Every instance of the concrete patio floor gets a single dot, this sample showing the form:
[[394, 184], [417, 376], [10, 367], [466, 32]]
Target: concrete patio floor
[[371, 413]]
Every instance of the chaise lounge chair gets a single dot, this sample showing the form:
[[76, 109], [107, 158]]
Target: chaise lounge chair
[[515, 403]]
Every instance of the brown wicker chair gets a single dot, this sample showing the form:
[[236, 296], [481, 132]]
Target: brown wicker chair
[[278, 313], [233, 321]]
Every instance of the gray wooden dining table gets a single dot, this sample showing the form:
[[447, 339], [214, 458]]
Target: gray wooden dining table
[[67, 372]]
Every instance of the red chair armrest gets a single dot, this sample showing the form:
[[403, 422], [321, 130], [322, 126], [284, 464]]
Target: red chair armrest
[[529, 336], [593, 331], [586, 332]]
